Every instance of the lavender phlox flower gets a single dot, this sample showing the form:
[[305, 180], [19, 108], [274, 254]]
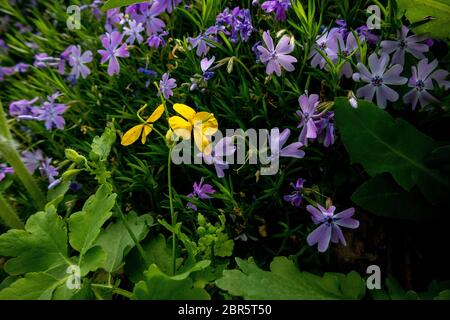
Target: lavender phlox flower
[[133, 31], [280, 7], [32, 159], [330, 226], [112, 51], [326, 44], [295, 198], [157, 40], [205, 64], [200, 191], [21, 67], [344, 49], [64, 58], [422, 80], [43, 60], [50, 112], [325, 127], [365, 34], [238, 21], [113, 18], [405, 43], [378, 78], [148, 16], [308, 114], [276, 58], [167, 5], [277, 141], [77, 60], [22, 107], [166, 85], [222, 149]]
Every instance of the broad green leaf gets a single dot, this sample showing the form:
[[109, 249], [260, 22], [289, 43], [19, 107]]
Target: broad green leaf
[[157, 252], [159, 286], [286, 282], [383, 197], [111, 4], [34, 286], [419, 10], [92, 260], [42, 246], [101, 146], [85, 225], [117, 242], [382, 144]]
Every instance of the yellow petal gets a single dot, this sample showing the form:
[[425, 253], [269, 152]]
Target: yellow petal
[[206, 122], [132, 135], [186, 111], [202, 142], [147, 129], [180, 127], [156, 114]]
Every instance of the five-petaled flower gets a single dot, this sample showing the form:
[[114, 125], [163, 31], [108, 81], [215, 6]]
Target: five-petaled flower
[[111, 43], [330, 226], [143, 129], [201, 191], [277, 57], [295, 198], [202, 124], [378, 78]]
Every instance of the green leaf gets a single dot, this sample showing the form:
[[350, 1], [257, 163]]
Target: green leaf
[[383, 197], [42, 246], [117, 242], [286, 282], [382, 144], [111, 4], [34, 286], [101, 146], [159, 286], [419, 10], [85, 225]]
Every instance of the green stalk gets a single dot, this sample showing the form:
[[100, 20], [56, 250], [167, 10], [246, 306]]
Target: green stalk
[[9, 215], [172, 213], [4, 131]]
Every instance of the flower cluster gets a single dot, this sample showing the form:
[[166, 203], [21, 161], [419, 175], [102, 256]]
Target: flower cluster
[[236, 22]]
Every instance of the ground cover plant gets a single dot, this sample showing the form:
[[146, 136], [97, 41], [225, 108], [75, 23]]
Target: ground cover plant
[[212, 149]]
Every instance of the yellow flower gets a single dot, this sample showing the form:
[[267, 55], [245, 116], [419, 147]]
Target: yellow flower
[[203, 124], [145, 128]]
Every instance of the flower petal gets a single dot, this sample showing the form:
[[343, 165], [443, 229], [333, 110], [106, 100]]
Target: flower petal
[[132, 135], [187, 112]]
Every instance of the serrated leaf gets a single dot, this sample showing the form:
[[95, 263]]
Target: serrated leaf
[[159, 286], [419, 10], [382, 144], [85, 225], [286, 282], [117, 242], [383, 197], [42, 246], [34, 286]]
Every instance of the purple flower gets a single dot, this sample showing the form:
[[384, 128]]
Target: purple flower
[[63, 58], [295, 198], [277, 142], [133, 32], [77, 62], [50, 112], [157, 40], [149, 17], [32, 159], [203, 42], [280, 7], [5, 71], [113, 17], [223, 148], [422, 80], [325, 127], [205, 64], [22, 107], [4, 169], [308, 116], [21, 67], [166, 85], [201, 191], [238, 21], [166, 5], [378, 79], [111, 43], [405, 44], [330, 226], [49, 171], [344, 49], [277, 58], [326, 43], [365, 35]]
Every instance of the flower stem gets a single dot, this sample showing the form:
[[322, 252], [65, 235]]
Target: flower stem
[[4, 131], [9, 215], [172, 212]]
